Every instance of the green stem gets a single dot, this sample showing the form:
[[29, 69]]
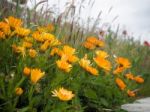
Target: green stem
[[20, 82], [31, 91]]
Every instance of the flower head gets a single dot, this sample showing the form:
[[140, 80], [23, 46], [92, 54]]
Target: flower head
[[4, 27], [92, 70], [129, 76], [118, 70], [19, 91], [48, 36], [131, 93], [68, 50], [27, 44], [55, 42], [26, 71], [36, 74], [14, 22], [63, 94], [44, 46], [28, 39], [84, 62], [120, 84], [73, 59], [64, 65], [139, 79], [95, 41], [123, 62], [56, 51], [101, 54], [92, 40], [37, 36], [89, 45], [32, 53], [103, 63], [22, 31]]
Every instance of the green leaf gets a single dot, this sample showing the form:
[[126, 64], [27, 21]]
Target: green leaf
[[25, 109], [37, 100], [90, 94], [104, 102]]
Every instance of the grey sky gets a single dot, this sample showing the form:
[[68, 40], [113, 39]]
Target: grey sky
[[133, 15]]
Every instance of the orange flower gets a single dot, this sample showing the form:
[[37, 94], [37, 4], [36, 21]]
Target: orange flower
[[92, 70], [63, 94], [73, 59], [5, 28], [92, 40], [89, 45], [67, 53], [103, 63], [14, 22], [129, 76], [139, 79], [48, 36], [120, 84], [22, 31], [67, 50], [36, 74], [32, 53], [56, 51], [26, 71], [19, 91], [118, 70], [95, 41], [37, 36], [64, 65], [28, 39], [131, 93], [100, 43], [84, 62], [55, 42], [27, 44], [123, 62], [101, 54], [44, 46]]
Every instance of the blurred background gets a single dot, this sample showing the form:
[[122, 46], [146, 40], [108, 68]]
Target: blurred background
[[130, 15]]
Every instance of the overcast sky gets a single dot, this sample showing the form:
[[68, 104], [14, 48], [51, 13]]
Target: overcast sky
[[133, 15]]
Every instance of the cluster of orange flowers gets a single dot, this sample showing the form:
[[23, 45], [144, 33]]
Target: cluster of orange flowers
[[122, 65], [31, 43], [86, 64], [92, 43], [35, 74], [13, 27], [67, 55]]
